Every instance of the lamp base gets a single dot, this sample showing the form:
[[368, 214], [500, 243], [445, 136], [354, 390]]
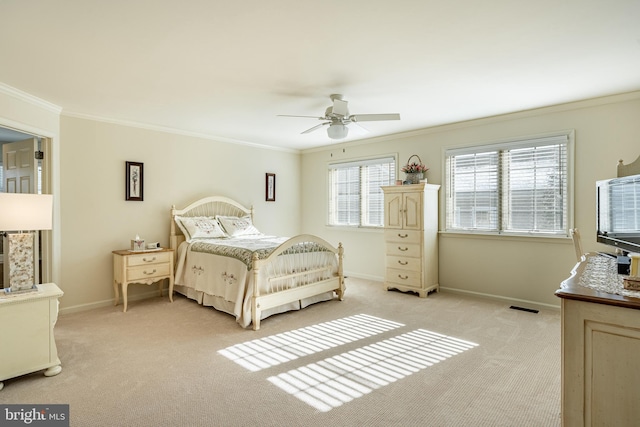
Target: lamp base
[[21, 260]]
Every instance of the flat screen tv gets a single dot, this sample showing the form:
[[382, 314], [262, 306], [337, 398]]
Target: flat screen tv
[[618, 214]]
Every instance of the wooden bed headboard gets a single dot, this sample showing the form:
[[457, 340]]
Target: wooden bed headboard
[[209, 206]]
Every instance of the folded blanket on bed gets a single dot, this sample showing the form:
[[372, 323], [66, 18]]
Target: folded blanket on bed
[[243, 248]]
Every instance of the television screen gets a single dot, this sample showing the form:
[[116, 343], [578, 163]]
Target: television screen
[[618, 212]]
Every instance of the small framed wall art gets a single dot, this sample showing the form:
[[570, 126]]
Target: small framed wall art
[[270, 187], [134, 181]]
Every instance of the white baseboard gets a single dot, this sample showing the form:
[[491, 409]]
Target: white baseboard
[[152, 293], [363, 276], [512, 301]]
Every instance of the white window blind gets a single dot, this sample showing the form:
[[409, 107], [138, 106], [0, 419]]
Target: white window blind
[[513, 187], [355, 197]]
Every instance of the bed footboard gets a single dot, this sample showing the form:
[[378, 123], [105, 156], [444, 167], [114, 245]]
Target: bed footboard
[[273, 286], [299, 284]]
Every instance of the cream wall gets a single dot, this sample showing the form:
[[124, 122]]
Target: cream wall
[[91, 217], [178, 169], [524, 270]]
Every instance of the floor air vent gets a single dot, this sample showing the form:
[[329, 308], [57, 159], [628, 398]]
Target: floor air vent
[[530, 310]]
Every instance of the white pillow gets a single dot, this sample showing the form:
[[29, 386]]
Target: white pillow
[[200, 227], [237, 226]]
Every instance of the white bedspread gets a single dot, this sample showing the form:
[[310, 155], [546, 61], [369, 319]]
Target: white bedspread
[[219, 274]]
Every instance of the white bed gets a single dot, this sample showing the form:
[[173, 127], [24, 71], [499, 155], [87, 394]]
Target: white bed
[[244, 272]]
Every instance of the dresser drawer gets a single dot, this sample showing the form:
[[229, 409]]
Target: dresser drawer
[[404, 263], [406, 236], [147, 271], [403, 277], [411, 250], [148, 258]]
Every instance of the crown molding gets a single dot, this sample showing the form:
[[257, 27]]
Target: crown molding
[[174, 131], [30, 99], [567, 106]]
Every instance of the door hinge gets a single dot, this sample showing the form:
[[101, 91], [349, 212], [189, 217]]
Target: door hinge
[[39, 155]]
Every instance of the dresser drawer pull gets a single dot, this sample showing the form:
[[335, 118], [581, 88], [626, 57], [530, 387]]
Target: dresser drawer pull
[[403, 277], [149, 260], [153, 272], [403, 236], [402, 249], [403, 262]]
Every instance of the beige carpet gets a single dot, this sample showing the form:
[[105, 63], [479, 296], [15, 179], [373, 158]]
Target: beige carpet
[[377, 358]]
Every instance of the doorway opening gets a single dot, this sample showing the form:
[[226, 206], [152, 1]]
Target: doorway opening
[[41, 147]]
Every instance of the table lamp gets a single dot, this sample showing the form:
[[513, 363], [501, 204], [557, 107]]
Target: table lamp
[[24, 214]]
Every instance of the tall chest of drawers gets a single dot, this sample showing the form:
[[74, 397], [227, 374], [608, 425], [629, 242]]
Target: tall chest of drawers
[[411, 238]]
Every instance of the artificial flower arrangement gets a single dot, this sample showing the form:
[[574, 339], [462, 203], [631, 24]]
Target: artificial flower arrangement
[[414, 167]]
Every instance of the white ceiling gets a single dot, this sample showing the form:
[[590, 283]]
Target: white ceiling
[[226, 69]]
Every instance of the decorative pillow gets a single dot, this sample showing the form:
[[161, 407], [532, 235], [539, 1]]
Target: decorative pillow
[[200, 227], [237, 226]]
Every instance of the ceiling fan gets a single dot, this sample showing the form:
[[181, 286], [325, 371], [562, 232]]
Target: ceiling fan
[[338, 119]]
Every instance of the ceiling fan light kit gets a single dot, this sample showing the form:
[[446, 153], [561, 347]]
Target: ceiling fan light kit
[[338, 119], [337, 131]]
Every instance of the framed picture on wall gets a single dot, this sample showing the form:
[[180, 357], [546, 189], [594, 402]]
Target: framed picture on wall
[[134, 181], [271, 187]]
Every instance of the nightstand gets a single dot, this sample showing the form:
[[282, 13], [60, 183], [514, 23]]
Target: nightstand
[[146, 267]]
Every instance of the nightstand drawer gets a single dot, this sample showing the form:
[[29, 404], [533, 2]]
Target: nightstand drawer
[[404, 263], [403, 277], [403, 249], [148, 271], [148, 258], [406, 236]]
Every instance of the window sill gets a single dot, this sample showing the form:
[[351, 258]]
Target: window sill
[[507, 237]]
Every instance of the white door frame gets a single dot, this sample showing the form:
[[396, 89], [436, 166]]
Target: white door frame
[[47, 188]]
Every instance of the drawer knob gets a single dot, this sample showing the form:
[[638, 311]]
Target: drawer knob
[[403, 236], [403, 249], [403, 262], [149, 260], [148, 273], [403, 277]]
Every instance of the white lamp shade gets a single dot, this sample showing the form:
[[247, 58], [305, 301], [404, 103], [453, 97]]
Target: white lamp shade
[[337, 131], [26, 212]]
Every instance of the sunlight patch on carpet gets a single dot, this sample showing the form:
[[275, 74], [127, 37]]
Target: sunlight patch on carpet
[[273, 350], [340, 379]]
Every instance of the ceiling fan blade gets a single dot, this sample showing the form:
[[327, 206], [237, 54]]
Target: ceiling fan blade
[[306, 117], [373, 117], [315, 127], [357, 128], [340, 107]]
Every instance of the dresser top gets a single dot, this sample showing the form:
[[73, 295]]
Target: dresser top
[[596, 268], [423, 186], [45, 290]]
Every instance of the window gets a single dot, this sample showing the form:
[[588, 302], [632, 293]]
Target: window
[[355, 197], [517, 187]]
